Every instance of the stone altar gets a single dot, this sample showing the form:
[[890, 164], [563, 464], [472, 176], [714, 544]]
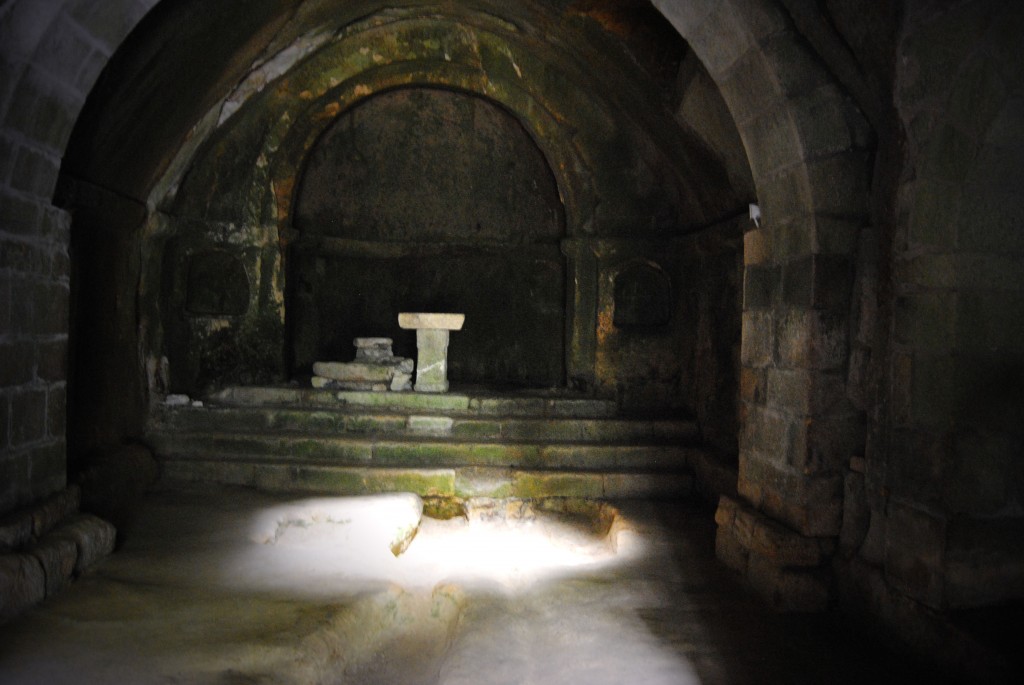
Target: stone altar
[[432, 331]]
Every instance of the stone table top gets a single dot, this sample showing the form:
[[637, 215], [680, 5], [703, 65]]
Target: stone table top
[[417, 320]]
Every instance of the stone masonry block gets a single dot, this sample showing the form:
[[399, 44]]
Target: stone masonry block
[[821, 121], [767, 432], [14, 478], [798, 283], [63, 47], [770, 142], [646, 486], [818, 282], [753, 385], [823, 445], [839, 184], [794, 239], [90, 69], [557, 484], [46, 109], [56, 405], [784, 196], [810, 339], [786, 589], [51, 309], [93, 537], [761, 286], [743, 87], [836, 236], [56, 226], [483, 482], [57, 556], [685, 16], [18, 214], [807, 393], [25, 24], [762, 19], [35, 172], [15, 531], [757, 246], [743, 525], [22, 584], [109, 22], [725, 514], [796, 68], [5, 302], [757, 339], [831, 282], [16, 363], [48, 514], [28, 262], [729, 551], [12, 69], [785, 547], [5, 423], [720, 40], [810, 505], [52, 361], [856, 514], [28, 417], [49, 468]]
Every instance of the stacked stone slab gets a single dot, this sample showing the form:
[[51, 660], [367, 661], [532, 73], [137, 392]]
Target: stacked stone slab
[[43, 547], [375, 368]]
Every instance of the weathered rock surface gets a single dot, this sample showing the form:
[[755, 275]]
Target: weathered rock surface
[[92, 536], [22, 584]]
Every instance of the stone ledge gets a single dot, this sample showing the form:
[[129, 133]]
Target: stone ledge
[[43, 547], [19, 528], [92, 536], [22, 584], [789, 570]]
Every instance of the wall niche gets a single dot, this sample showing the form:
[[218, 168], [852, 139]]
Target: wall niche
[[426, 199]]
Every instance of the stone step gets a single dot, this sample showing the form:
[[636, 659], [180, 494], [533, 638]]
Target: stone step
[[392, 451], [451, 403], [451, 445], [328, 422], [446, 483]]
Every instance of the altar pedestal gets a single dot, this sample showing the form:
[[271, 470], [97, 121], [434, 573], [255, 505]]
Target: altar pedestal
[[432, 331]]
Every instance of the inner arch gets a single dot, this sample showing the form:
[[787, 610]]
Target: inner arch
[[429, 199]]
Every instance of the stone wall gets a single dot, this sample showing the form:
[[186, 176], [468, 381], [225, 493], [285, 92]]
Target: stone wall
[[936, 515], [51, 54]]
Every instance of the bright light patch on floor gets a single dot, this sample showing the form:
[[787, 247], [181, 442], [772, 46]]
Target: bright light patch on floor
[[319, 545]]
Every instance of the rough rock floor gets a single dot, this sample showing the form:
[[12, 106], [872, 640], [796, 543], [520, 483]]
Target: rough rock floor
[[220, 586]]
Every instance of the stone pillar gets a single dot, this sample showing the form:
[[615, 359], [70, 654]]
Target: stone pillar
[[432, 332], [432, 360], [581, 310]]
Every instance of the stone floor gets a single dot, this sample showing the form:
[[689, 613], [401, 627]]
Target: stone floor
[[231, 586]]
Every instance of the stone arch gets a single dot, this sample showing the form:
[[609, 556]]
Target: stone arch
[[805, 147], [808, 169], [642, 295]]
